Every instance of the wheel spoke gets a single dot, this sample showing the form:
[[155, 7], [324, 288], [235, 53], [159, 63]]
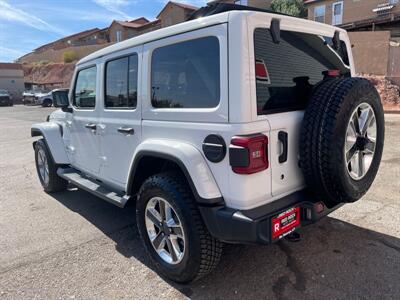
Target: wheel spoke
[[370, 147], [171, 250], [354, 123], [168, 214], [366, 118], [177, 230], [360, 164], [44, 174], [350, 153], [162, 209], [154, 217], [159, 241]]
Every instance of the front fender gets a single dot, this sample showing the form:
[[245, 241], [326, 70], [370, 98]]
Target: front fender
[[189, 159], [52, 133]]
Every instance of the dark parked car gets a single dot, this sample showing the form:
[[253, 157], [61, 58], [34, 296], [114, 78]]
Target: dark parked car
[[5, 98]]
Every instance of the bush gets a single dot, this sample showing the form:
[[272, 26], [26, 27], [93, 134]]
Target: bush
[[69, 56], [43, 62]]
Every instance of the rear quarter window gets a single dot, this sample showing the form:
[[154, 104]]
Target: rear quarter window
[[293, 67], [186, 74]]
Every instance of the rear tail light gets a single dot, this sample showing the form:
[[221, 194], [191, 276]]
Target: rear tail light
[[331, 73], [262, 72], [248, 154]]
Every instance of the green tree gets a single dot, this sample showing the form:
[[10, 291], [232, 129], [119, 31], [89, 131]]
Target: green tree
[[290, 7]]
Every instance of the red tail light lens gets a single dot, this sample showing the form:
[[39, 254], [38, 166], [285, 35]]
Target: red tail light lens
[[249, 154]]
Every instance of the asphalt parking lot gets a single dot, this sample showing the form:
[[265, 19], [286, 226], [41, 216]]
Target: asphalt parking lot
[[73, 245]]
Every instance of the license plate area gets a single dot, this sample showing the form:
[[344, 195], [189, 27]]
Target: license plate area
[[285, 223]]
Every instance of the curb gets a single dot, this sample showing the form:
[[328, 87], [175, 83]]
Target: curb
[[395, 112]]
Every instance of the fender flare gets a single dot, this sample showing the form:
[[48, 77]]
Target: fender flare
[[52, 133], [190, 161]]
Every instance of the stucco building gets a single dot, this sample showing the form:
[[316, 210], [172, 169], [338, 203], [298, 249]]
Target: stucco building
[[12, 80]]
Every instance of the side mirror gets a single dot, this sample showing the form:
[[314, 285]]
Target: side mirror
[[60, 100]]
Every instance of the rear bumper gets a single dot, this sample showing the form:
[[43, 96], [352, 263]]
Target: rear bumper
[[254, 226]]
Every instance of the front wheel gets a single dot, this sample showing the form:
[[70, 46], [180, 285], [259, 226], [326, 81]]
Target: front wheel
[[47, 103], [172, 230], [47, 169]]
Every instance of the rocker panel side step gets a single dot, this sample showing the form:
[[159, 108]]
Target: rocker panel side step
[[92, 186]]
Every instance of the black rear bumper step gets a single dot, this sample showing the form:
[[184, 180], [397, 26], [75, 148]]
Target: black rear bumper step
[[254, 226]]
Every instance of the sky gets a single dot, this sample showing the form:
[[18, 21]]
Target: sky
[[26, 25]]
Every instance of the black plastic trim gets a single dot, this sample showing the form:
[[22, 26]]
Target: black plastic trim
[[239, 157], [275, 30], [283, 138], [36, 132], [254, 226], [181, 165]]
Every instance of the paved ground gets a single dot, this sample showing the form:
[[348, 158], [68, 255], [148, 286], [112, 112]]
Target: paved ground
[[72, 245]]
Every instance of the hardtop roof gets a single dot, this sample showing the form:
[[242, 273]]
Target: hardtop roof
[[218, 15]]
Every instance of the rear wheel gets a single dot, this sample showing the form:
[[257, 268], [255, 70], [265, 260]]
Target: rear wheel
[[172, 230], [47, 169]]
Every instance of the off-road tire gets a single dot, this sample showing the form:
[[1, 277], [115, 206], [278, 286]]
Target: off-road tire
[[55, 183], [323, 136], [202, 251]]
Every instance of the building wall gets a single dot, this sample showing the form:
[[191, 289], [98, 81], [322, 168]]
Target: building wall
[[353, 10], [171, 15], [370, 51], [12, 81], [126, 33]]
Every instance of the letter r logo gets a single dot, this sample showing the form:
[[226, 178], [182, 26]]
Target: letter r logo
[[276, 227]]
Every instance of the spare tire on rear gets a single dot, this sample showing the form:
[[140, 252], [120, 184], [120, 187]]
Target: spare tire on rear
[[342, 138]]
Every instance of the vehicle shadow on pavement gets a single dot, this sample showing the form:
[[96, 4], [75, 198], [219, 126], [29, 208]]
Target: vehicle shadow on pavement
[[334, 259]]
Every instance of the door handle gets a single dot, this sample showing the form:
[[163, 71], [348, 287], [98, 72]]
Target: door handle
[[283, 138], [126, 130], [91, 126]]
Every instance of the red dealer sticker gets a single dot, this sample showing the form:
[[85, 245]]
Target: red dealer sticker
[[285, 222]]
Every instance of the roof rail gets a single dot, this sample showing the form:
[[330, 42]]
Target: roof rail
[[217, 8]]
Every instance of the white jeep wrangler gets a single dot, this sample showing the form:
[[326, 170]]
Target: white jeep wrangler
[[238, 126]]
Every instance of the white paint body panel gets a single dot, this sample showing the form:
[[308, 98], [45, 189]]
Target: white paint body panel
[[180, 132]]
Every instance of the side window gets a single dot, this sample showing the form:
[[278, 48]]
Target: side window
[[186, 74], [121, 82], [85, 88]]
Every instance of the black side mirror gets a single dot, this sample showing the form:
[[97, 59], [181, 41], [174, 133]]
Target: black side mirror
[[60, 100]]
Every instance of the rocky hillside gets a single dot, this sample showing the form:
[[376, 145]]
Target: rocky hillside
[[390, 92], [58, 73]]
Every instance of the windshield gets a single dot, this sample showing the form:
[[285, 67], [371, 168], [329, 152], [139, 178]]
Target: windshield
[[3, 93]]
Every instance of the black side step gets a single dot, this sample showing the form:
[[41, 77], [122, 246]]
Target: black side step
[[92, 186]]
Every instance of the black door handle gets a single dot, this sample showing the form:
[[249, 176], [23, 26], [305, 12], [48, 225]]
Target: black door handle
[[126, 130], [283, 138], [91, 126]]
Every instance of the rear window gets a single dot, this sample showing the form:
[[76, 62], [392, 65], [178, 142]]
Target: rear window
[[186, 74], [287, 72]]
